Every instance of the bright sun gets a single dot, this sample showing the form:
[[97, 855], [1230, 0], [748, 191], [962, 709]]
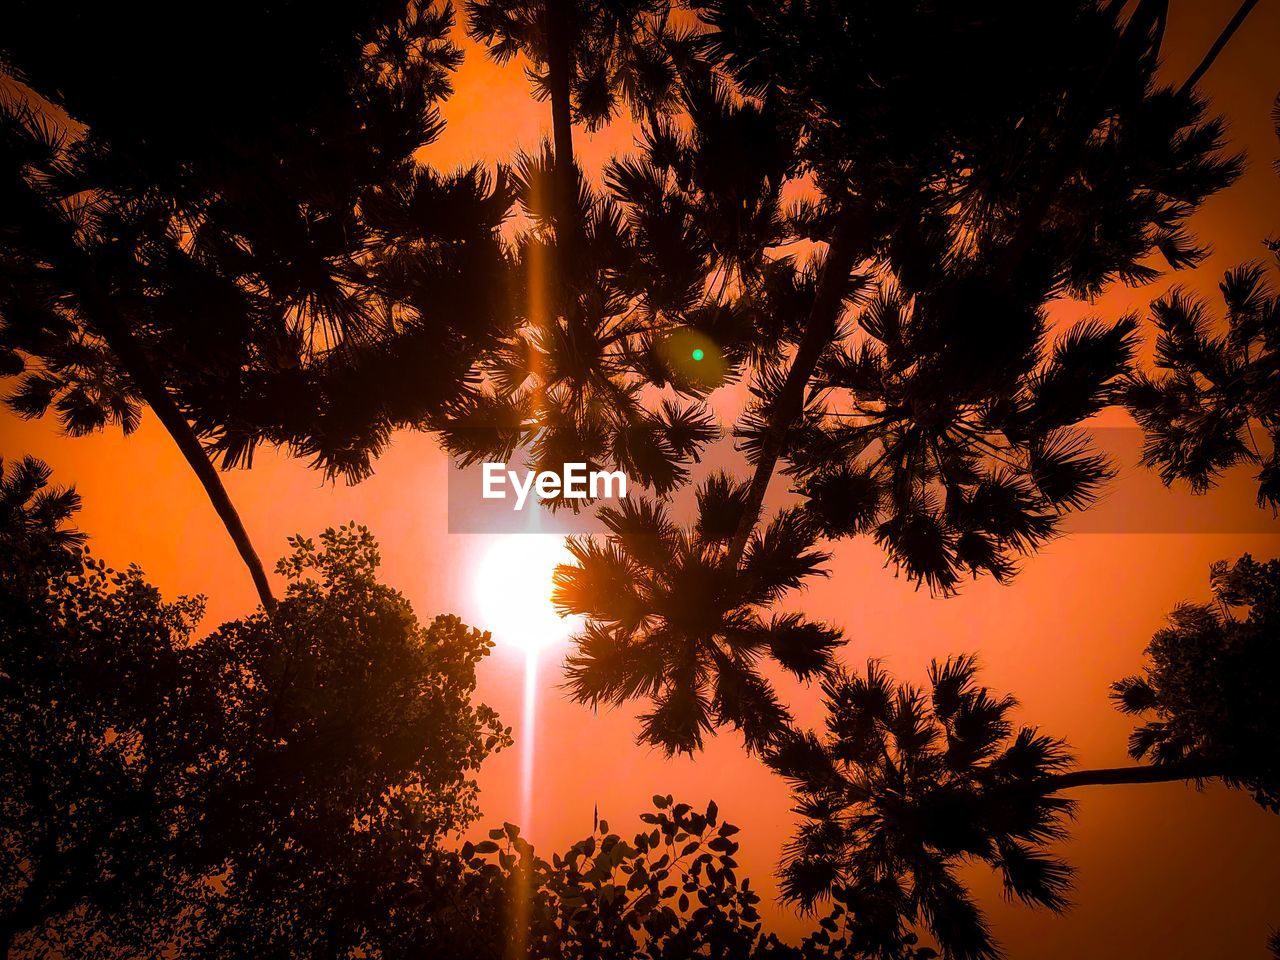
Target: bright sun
[[513, 588]]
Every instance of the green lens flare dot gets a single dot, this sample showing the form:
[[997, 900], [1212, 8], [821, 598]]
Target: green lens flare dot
[[698, 354]]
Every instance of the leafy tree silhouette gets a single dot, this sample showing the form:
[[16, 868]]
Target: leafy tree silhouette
[[587, 57], [907, 787], [240, 794], [904, 788], [1200, 409], [257, 258], [902, 374], [986, 204], [670, 893], [961, 479], [286, 785], [1212, 711], [670, 621], [34, 535], [570, 386], [561, 384]]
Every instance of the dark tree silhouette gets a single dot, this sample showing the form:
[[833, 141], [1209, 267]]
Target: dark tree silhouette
[[985, 198], [671, 893], [587, 57], [34, 536], [1213, 388], [1206, 694], [905, 788], [571, 385], [255, 267], [959, 479], [248, 793], [904, 375], [670, 622]]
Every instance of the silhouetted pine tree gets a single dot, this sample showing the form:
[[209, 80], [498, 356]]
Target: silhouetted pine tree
[[1215, 382], [587, 57], [906, 786], [905, 376], [233, 231]]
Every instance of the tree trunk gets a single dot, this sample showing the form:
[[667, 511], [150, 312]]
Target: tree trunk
[[842, 256], [68, 257], [166, 410], [1218, 45], [1152, 773], [560, 68]]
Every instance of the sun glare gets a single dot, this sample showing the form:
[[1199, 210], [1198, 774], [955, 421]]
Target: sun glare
[[513, 590]]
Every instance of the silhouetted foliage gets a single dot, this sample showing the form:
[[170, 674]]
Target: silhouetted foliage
[[671, 893], [944, 426], [1207, 693], [905, 375], [962, 479], [617, 51], [286, 268], [253, 253], [1214, 386], [257, 255], [1068, 178], [574, 384], [907, 787], [34, 537], [979, 199], [1216, 380], [670, 622], [247, 793]]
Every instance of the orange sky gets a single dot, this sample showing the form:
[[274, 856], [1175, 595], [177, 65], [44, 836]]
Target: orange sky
[[1164, 871]]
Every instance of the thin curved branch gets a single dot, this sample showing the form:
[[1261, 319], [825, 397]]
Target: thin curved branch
[[1218, 46]]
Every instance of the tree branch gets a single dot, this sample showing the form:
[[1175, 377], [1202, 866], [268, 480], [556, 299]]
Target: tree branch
[[845, 249], [1218, 46], [131, 357], [1148, 773], [103, 314]]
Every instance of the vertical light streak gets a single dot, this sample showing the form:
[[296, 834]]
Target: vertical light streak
[[518, 945], [528, 733]]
